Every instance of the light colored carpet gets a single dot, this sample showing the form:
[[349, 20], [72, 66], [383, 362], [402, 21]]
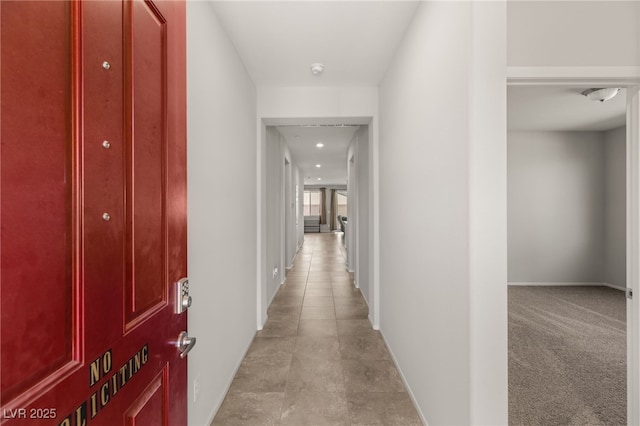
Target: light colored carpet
[[567, 356]]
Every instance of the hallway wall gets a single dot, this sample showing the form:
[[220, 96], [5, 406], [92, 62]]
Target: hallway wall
[[274, 212], [276, 253], [359, 203], [221, 242], [442, 211]]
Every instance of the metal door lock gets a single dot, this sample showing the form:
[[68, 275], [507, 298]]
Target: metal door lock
[[183, 300], [185, 343]]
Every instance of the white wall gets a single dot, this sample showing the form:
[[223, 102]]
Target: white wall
[[316, 102], [567, 207], [615, 212], [299, 181], [573, 33], [221, 138], [351, 230], [556, 205], [442, 121], [274, 211], [295, 231], [281, 246], [358, 175], [362, 222]]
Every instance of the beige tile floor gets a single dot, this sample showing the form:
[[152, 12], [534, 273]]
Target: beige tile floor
[[317, 361]]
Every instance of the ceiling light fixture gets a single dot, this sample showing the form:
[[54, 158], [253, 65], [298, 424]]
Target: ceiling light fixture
[[601, 94], [318, 165], [319, 178], [317, 68], [319, 144]]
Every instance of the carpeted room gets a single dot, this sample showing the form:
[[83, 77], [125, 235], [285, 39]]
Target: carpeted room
[[566, 257]]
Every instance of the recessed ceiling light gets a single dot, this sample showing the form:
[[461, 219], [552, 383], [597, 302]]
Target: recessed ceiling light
[[319, 144], [319, 178], [317, 68], [318, 165]]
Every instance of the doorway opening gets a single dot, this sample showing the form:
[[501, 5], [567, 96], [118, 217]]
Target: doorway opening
[[311, 155], [567, 256], [311, 210]]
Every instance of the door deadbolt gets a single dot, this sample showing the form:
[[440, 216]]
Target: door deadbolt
[[183, 300]]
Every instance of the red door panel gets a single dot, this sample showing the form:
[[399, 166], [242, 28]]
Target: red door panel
[[150, 407], [146, 257], [92, 212], [36, 195]]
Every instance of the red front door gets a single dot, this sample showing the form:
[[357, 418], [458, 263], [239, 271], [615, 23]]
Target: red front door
[[93, 212]]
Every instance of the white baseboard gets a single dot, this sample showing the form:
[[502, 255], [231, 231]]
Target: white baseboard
[[616, 287], [293, 261], [404, 380], [565, 284], [217, 405], [372, 324], [366, 302]]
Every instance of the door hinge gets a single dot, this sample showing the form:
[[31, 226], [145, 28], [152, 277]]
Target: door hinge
[[629, 293]]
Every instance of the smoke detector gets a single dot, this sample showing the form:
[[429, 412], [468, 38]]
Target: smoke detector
[[317, 68], [601, 94]]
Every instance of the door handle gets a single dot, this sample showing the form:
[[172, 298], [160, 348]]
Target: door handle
[[185, 343]]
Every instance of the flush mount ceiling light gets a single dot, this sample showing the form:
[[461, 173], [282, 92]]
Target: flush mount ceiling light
[[317, 68], [319, 178], [601, 94], [319, 144], [318, 165]]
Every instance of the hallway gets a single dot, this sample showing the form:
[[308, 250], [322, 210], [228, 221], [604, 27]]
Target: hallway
[[317, 361]]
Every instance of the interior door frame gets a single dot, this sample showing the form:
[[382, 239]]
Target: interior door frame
[[262, 304], [628, 78]]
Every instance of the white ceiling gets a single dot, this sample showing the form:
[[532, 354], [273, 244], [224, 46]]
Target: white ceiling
[[356, 40], [562, 109], [278, 40], [332, 156]]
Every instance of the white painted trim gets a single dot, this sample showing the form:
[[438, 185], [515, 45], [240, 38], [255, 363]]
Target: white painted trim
[[628, 77], [365, 301], [558, 284], [273, 296], [572, 76], [375, 327], [565, 284], [261, 282], [218, 403], [282, 262], [404, 380], [615, 287], [633, 254], [295, 255], [374, 217], [261, 230]]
